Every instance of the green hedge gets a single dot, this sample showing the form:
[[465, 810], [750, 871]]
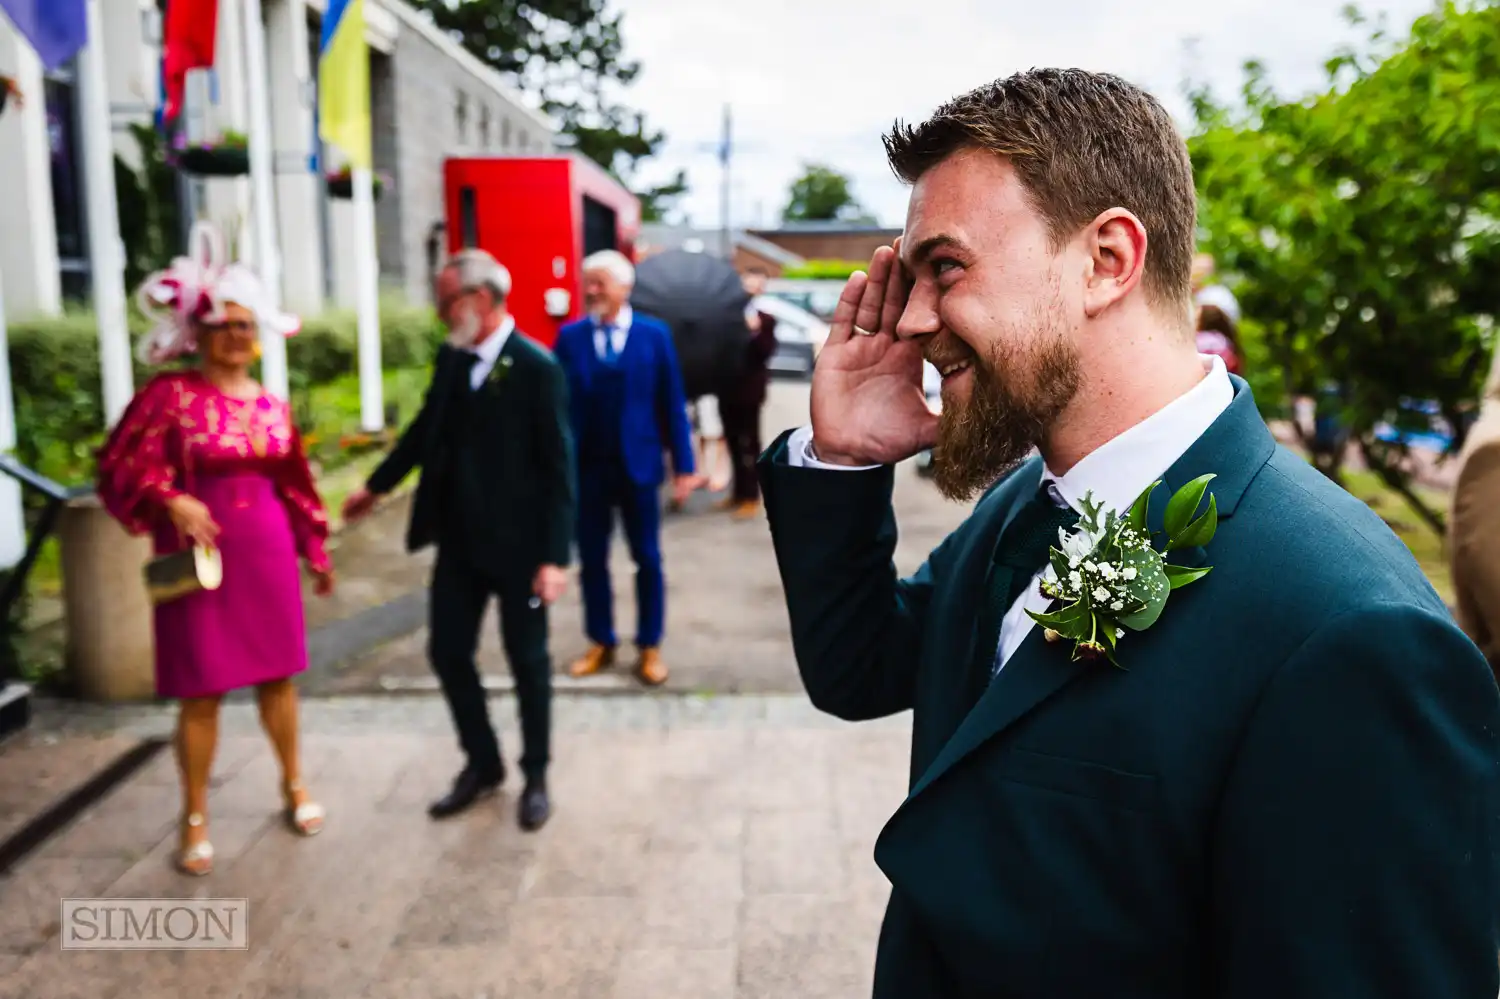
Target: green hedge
[[825, 270], [55, 376]]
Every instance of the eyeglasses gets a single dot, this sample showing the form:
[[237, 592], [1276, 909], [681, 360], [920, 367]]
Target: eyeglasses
[[238, 327]]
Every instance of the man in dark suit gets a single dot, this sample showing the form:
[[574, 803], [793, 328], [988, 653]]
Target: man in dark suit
[[1288, 786], [497, 498], [741, 402], [627, 408]]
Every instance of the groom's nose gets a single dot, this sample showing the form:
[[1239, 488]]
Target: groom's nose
[[919, 320]]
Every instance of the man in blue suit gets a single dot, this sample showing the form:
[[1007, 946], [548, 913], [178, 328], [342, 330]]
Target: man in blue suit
[[628, 408]]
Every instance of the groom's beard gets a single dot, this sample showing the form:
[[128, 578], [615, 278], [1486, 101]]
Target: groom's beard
[[1014, 397]]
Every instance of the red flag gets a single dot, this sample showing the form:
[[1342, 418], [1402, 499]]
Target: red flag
[[192, 26]]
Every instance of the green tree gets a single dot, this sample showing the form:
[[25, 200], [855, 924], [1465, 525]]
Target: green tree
[[1364, 224], [570, 56], [823, 194]]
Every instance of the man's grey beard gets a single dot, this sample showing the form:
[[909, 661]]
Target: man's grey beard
[[463, 333], [1012, 403]]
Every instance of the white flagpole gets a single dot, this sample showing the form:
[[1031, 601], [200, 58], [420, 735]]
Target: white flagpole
[[367, 301], [106, 250], [12, 520], [273, 366]]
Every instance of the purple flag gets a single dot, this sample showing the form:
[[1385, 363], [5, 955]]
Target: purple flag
[[57, 29]]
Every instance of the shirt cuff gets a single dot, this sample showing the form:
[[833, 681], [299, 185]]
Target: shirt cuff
[[799, 454]]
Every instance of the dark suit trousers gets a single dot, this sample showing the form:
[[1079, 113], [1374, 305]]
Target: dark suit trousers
[[741, 420], [460, 594]]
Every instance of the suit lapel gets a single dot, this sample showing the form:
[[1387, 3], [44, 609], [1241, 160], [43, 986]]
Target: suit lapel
[[973, 570], [447, 376], [1235, 448], [1035, 672]]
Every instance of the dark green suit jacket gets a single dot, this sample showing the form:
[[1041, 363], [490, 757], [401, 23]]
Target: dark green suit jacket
[[1291, 793], [509, 455]]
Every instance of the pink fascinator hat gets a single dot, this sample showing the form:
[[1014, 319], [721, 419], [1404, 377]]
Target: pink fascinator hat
[[195, 290]]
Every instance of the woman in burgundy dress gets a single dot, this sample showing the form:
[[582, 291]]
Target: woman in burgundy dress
[[205, 455]]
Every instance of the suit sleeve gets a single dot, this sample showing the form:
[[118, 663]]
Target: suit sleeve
[[856, 628], [554, 448], [1474, 532], [763, 343], [673, 401], [1355, 846], [407, 454]]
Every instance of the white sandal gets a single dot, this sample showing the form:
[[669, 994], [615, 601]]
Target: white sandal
[[198, 859], [305, 819]]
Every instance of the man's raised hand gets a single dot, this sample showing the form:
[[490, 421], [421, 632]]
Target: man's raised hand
[[868, 407]]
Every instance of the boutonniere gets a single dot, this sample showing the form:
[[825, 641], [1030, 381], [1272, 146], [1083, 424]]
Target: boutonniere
[[1111, 579], [498, 372]]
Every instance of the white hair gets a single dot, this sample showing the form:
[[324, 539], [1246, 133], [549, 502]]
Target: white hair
[[612, 262], [479, 270]]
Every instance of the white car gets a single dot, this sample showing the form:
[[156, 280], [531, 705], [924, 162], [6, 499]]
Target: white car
[[800, 335], [932, 388]]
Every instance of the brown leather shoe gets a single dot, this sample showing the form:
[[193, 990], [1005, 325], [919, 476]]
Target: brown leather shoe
[[651, 670], [597, 658], [747, 510]]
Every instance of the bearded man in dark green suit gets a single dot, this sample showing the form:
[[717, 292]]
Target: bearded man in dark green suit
[[1283, 786]]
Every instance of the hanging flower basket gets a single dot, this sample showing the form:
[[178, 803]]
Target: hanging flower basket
[[7, 88], [228, 157], [341, 185]]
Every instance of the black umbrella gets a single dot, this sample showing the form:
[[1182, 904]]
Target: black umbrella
[[701, 298]]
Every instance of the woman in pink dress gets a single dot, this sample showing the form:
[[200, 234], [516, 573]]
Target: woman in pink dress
[[204, 455]]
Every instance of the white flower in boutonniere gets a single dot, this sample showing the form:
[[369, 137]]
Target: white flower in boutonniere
[[499, 371], [1109, 577]]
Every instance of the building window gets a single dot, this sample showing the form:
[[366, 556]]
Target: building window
[[461, 117], [484, 126], [525, 141], [505, 133]]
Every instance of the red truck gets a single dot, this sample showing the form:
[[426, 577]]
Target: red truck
[[540, 216]]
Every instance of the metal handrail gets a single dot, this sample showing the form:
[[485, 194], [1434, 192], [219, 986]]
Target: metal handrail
[[57, 497]]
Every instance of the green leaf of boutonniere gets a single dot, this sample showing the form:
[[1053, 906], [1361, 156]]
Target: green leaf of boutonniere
[[1137, 516], [1200, 532], [1107, 576], [1180, 575], [1070, 622], [1184, 504]]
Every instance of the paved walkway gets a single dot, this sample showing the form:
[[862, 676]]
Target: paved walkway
[[701, 848]]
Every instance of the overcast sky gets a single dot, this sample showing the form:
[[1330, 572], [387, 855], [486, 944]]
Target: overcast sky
[[820, 80]]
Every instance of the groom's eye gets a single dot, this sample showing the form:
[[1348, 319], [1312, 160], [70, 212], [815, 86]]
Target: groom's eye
[[942, 266]]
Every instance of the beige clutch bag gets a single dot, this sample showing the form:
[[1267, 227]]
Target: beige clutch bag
[[192, 570]]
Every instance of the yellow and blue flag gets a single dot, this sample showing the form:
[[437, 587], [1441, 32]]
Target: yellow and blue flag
[[344, 82]]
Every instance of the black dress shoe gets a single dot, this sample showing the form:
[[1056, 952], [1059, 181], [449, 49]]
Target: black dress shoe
[[471, 784], [534, 808]]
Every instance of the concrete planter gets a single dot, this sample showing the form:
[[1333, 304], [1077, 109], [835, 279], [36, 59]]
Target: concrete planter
[[107, 614]]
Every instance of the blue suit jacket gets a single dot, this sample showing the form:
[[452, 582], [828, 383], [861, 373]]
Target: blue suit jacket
[[654, 418], [1291, 790]]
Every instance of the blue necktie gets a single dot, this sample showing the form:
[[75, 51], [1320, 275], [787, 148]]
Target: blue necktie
[[609, 345]]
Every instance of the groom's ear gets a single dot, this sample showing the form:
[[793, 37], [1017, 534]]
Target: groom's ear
[[1116, 245]]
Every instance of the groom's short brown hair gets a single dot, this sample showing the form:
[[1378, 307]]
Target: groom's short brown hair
[[1081, 143]]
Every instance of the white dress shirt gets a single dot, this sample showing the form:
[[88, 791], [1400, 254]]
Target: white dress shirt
[[488, 352], [618, 331], [1116, 473]]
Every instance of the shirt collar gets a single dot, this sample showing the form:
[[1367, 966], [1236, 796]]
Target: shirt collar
[[622, 320], [489, 350], [1119, 471]]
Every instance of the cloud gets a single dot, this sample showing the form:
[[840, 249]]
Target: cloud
[[821, 80]]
